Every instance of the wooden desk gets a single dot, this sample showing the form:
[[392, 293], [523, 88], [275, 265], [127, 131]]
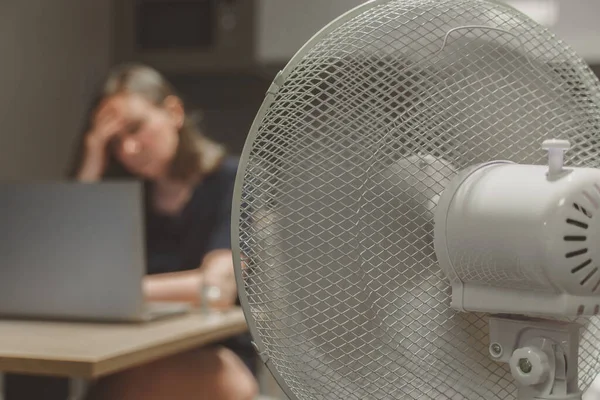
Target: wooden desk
[[90, 350]]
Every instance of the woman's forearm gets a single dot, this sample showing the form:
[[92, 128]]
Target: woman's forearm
[[92, 167], [175, 286], [216, 270]]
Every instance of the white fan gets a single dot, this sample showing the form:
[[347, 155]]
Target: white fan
[[408, 228]]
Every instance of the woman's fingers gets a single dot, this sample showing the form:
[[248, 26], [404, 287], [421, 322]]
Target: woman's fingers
[[105, 130], [112, 127]]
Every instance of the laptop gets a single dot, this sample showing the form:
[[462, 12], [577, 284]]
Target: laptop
[[71, 250]]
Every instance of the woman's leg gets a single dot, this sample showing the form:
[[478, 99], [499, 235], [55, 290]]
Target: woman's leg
[[214, 373], [242, 346]]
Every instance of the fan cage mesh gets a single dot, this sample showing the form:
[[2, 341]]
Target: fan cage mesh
[[339, 181]]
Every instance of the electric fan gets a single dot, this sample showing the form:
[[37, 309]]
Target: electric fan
[[417, 210]]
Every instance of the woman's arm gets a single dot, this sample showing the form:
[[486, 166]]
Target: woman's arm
[[216, 270], [93, 163], [174, 286], [106, 125]]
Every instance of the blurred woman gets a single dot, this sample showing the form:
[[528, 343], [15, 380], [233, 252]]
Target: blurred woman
[[139, 129]]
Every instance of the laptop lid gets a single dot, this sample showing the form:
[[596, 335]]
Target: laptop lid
[[71, 250]]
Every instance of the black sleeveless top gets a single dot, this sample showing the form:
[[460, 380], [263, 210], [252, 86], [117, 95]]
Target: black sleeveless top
[[179, 243]]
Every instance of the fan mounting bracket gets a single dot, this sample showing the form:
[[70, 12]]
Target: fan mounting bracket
[[542, 355]]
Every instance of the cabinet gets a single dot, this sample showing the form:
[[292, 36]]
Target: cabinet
[[185, 36]]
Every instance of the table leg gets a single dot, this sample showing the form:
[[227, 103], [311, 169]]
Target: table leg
[[2, 393], [77, 388]]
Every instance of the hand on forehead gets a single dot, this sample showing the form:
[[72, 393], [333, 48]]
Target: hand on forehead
[[113, 106]]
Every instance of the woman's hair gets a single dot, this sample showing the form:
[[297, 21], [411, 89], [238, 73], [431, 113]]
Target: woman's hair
[[196, 155]]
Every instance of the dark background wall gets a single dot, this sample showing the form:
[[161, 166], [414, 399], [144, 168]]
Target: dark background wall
[[228, 102]]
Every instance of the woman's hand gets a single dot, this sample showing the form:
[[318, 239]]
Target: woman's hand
[[217, 272], [105, 126]]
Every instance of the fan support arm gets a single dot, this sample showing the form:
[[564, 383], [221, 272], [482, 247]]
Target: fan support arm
[[542, 356]]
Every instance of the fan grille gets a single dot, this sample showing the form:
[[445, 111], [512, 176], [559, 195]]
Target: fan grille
[[339, 181]]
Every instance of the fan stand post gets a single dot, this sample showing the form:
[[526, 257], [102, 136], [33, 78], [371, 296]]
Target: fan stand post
[[542, 355]]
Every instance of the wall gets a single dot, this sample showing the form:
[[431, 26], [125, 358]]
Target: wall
[[228, 102], [52, 53], [284, 25], [578, 26]]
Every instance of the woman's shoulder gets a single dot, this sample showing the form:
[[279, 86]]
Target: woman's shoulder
[[229, 165], [215, 187], [225, 173]]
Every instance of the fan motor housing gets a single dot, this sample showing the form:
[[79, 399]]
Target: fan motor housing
[[513, 238]]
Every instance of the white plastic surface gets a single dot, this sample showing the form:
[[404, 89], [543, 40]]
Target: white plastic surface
[[556, 154], [513, 239], [540, 367]]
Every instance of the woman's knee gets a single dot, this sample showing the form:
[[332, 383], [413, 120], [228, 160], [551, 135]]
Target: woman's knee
[[234, 379], [211, 373]]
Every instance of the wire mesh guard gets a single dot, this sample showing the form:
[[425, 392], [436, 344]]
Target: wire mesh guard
[[339, 181]]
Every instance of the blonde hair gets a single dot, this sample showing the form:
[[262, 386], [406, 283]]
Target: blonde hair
[[196, 155]]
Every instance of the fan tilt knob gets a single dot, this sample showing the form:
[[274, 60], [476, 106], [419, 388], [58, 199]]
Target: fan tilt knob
[[530, 366]]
